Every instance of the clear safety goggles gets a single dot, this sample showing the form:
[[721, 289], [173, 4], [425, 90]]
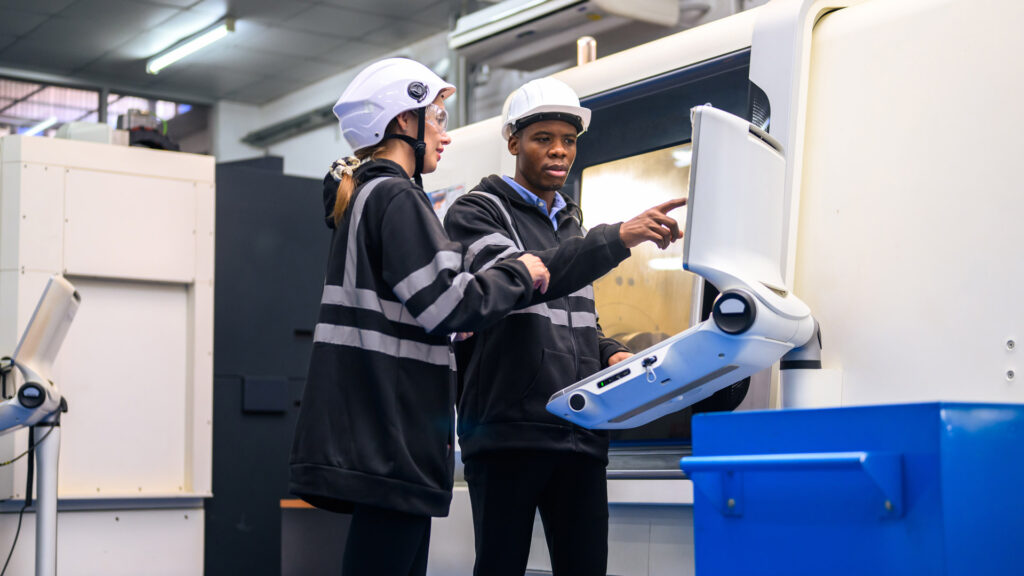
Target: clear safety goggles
[[437, 116]]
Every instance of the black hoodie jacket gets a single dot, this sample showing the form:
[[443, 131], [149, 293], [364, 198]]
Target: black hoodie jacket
[[509, 370], [376, 422]]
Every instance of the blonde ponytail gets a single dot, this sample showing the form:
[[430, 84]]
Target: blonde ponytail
[[342, 170]]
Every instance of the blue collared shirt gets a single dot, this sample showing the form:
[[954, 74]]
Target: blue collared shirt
[[532, 198]]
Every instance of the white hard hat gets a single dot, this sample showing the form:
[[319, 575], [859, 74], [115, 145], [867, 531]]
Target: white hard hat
[[382, 91], [543, 99]]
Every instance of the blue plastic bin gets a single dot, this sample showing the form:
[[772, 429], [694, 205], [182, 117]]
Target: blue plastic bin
[[906, 489]]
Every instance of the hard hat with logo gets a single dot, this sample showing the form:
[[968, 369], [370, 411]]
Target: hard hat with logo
[[543, 99], [382, 91]]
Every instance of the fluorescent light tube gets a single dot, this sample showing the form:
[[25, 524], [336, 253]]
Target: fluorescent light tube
[[197, 42], [40, 127]]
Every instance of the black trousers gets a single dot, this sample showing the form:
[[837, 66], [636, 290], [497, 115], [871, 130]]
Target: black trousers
[[385, 542], [507, 488]]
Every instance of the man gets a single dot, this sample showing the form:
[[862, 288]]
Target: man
[[518, 457]]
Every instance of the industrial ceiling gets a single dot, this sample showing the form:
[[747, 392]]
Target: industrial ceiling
[[278, 46]]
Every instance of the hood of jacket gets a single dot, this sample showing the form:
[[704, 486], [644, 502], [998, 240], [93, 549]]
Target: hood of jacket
[[366, 171]]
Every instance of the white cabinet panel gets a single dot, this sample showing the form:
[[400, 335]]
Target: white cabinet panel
[[10, 214], [124, 370], [42, 210], [124, 226], [114, 542]]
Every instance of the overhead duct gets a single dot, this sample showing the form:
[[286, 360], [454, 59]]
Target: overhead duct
[[514, 29], [290, 128]]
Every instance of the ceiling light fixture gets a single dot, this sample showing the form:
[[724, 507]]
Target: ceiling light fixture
[[190, 45], [40, 127]]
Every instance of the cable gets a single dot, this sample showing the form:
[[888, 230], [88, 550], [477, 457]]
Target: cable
[[32, 444], [25, 453], [6, 365], [15, 543]]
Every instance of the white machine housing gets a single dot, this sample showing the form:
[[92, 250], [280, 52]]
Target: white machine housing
[[734, 239], [133, 230]]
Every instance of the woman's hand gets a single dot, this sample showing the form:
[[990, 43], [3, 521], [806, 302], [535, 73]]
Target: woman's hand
[[538, 271]]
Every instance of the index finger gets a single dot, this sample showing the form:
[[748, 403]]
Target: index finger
[[671, 205]]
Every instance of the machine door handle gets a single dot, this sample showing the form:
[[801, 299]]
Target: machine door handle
[[722, 482]]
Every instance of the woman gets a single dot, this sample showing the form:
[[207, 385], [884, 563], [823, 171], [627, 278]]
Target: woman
[[374, 435]]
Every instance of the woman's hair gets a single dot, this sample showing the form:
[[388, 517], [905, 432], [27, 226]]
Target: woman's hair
[[342, 170]]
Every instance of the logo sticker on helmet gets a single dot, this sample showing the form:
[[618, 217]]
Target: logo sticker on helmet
[[417, 91]]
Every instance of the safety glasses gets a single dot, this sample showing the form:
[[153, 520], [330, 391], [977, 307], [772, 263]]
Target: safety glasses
[[437, 116]]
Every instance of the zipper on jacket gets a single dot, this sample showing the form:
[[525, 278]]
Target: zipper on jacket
[[568, 314], [572, 340]]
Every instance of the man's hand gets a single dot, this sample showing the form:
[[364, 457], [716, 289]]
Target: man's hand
[[538, 271], [618, 357], [653, 225]]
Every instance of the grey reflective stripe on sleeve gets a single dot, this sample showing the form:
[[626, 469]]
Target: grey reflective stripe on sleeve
[[353, 229], [585, 292], [420, 279], [377, 342], [367, 300], [509, 250], [560, 317], [493, 239], [445, 303], [508, 219]]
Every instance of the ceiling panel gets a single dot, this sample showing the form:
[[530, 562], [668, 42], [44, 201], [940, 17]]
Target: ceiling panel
[[6, 41], [314, 70], [400, 33], [433, 12], [282, 41], [18, 22], [438, 15], [254, 62], [115, 70], [41, 56], [263, 90], [129, 16], [352, 53], [41, 6], [64, 39], [174, 3], [385, 7], [269, 11], [335, 21]]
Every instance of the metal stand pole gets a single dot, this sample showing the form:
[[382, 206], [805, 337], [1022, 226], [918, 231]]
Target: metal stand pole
[[47, 456]]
